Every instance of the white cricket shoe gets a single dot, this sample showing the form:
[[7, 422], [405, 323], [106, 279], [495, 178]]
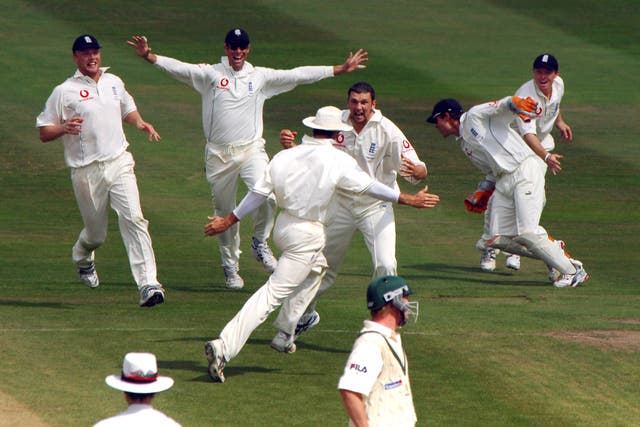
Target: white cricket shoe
[[232, 279], [89, 276], [572, 280], [151, 295], [513, 261], [263, 255], [283, 342], [488, 259], [306, 322], [215, 356]]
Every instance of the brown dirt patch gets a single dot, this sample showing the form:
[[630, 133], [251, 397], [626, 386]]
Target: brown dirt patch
[[15, 413], [606, 340]]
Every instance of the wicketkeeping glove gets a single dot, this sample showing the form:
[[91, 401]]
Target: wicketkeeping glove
[[479, 200], [525, 108]]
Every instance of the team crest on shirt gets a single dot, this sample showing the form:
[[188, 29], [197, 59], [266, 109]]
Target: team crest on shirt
[[250, 88], [371, 152]]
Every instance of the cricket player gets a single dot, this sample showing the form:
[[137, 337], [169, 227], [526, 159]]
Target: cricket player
[[516, 205], [304, 180], [547, 89], [87, 111], [384, 152], [374, 386], [233, 96]]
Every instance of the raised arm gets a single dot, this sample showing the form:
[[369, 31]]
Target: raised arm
[[353, 62], [143, 50]]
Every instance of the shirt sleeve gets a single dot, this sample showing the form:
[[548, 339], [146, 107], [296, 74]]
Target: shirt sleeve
[[127, 103], [194, 75], [52, 115], [363, 367], [401, 147], [355, 180], [279, 81]]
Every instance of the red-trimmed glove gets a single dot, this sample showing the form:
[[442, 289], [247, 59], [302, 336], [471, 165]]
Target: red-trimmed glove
[[478, 201], [525, 108]]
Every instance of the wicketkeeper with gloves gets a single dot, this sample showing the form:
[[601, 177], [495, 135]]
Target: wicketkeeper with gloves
[[496, 149]]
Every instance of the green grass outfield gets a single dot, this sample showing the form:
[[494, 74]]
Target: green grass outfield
[[489, 349]]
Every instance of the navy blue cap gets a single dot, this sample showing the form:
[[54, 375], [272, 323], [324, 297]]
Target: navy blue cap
[[237, 37], [444, 106], [546, 60], [85, 41]]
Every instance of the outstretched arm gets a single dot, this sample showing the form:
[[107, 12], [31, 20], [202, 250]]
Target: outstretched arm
[[353, 62], [143, 50]]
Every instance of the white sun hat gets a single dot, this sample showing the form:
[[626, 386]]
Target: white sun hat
[[327, 118], [139, 375]]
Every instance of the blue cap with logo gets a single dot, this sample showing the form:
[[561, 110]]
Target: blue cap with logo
[[85, 41], [237, 38], [546, 60]]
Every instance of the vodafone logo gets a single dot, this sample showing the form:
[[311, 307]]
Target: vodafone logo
[[84, 93], [340, 138], [224, 82], [406, 144]]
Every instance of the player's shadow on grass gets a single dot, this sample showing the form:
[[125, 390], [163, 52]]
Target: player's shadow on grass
[[494, 278], [31, 304], [302, 345]]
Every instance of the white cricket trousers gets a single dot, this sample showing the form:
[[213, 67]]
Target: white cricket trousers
[[99, 185], [299, 271], [379, 232], [486, 231], [223, 168]]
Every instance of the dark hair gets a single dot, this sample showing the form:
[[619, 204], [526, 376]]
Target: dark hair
[[362, 87], [139, 396], [322, 132]]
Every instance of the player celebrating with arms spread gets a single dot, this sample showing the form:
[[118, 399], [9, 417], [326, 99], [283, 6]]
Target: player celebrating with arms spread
[[233, 95]]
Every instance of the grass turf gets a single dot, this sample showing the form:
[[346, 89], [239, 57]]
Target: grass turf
[[489, 349]]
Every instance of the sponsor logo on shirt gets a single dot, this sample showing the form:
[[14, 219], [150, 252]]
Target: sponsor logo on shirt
[[84, 94], [392, 385], [224, 83], [362, 369], [406, 146], [468, 152]]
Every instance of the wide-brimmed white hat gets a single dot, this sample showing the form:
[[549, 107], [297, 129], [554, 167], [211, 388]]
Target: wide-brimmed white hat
[[327, 118], [139, 375]]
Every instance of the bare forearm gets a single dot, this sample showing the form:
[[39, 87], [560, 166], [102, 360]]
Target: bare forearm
[[50, 133], [354, 406]]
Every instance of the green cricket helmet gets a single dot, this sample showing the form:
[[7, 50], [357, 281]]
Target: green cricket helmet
[[391, 289]]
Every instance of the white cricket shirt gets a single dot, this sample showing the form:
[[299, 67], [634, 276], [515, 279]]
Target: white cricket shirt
[[543, 125], [304, 179], [378, 149], [232, 101], [489, 142], [101, 105]]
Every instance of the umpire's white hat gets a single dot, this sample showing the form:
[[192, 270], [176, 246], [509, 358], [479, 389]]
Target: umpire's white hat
[[327, 118], [139, 375]]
